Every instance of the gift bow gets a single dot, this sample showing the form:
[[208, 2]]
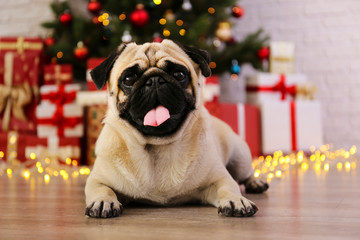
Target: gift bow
[[60, 97], [13, 97], [278, 87]]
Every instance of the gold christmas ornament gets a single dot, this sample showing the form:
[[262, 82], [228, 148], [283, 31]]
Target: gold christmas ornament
[[224, 31]]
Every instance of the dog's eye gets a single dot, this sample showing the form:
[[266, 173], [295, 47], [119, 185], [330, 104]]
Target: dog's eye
[[179, 75], [130, 79]]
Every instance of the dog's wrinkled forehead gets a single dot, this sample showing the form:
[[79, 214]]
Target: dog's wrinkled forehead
[[150, 55]]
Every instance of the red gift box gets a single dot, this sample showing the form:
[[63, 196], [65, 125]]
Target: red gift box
[[12, 146], [244, 120], [211, 92], [18, 90], [58, 74], [91, 64], [21, 44], [59, 148]]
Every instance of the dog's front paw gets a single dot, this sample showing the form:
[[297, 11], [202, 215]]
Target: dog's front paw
[[104, 209], [241, 207], [253, 185]]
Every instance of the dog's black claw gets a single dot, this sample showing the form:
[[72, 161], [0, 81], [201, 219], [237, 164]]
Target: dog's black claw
[[103, 210], [256, 186]]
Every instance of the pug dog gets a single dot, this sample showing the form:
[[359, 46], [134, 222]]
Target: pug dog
[[159, 145]]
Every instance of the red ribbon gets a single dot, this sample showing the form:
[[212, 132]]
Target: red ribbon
[[293, 125], [278, 87], [60, 97]]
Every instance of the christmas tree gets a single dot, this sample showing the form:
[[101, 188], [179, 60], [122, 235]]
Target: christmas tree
[[202, 23]]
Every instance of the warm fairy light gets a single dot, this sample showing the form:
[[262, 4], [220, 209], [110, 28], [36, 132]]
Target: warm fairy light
[[322, 157], [106, 22], [32, 156], [179, 22], [182, 32], [212, 65], [68, 161], [87, 171], [166, 32], [326, 167], [353, 150], [287, 159], [346, 154], [281, 160], [305, 166], [65, 176], [38, 164], [59, 54], [211, 10], [312, 157], [75, 174], [234, 77], [278, 173], [122, 16], [9, 171], [56, 173], [47, 178], [353, 165], [317, 166], [47, 160], [270, 175], [26, 174], [74, 162], [40, 169], [347, 166], [339, 165], [157, 2], [275, 162], [162, 21], [62, 172], [257, 173], [2, 154], [312, 148]]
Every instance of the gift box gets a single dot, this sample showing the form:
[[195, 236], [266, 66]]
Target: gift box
[[91, 64], [210, 95], [282, 57], [265, 87], [58, 114], [19, 79], [21, 45], [244, 120], [12, 147], [56, 148], [290, 126], [94, 117], [58, 74]]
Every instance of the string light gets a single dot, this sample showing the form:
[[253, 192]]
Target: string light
[[162, 21], [166, 32], [157, 2], [122, 16], [179, 22], [182, 32], [211, 10]]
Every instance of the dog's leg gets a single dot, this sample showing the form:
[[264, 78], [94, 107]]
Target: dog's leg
[[101, 201], [225, 194]]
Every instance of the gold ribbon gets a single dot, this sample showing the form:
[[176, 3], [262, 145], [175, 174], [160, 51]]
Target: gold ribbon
[[20, 45], [13, 98], [57, 76]]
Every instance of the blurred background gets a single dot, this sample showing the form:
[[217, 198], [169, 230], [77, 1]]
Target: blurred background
[[315, 40]]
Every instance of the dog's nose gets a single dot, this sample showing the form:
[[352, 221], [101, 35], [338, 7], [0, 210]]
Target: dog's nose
[[154, 80]]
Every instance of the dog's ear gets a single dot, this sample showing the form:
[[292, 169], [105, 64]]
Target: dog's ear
[[100, 74], [199, 56]]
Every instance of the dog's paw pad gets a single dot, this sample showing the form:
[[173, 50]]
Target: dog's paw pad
[[104, 209], [253, 185], [239, 208]]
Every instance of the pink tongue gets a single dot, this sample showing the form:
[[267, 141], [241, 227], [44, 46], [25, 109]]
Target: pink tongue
[[157, 116]]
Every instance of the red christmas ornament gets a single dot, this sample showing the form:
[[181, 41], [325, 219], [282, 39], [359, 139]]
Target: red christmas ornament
[[237, 11], [263, 53], [65, 18], [49, 41], [94, 7], [157, 39], [95, 20], [81, 52], [140, 17]]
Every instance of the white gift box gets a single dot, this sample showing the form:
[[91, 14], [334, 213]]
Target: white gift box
[[272, 87], [291, 126], [282, 57], [58, 114]]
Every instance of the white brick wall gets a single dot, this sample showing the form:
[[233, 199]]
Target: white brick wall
[[326, 33]]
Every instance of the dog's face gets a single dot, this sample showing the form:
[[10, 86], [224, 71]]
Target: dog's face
[[153, 86]]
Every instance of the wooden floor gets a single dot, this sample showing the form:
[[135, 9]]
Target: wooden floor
[[301, 205]]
